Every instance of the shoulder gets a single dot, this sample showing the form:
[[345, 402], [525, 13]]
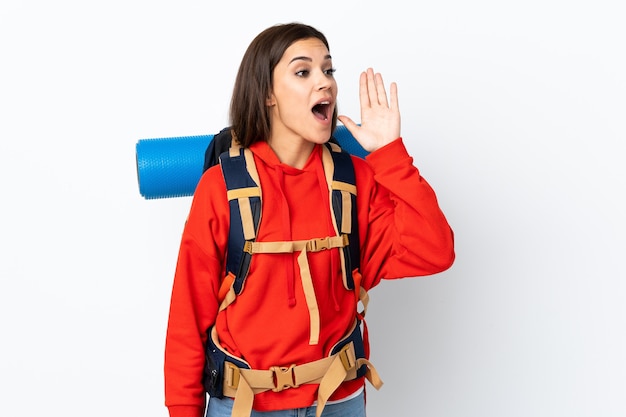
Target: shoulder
[[362, 169], [210, 194], [211, 179]]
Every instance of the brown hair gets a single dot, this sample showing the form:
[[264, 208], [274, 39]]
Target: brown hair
[[249, 114]]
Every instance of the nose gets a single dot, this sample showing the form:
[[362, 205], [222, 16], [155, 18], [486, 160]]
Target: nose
[[323, 81]]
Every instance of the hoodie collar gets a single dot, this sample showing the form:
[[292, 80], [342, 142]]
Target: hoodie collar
[[263, 151]]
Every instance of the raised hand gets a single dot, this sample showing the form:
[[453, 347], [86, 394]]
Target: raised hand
[[380, 116]]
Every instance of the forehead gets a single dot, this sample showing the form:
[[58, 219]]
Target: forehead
[[310, 48]]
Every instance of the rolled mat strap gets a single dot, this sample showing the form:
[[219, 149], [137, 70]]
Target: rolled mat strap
[[171, 167]]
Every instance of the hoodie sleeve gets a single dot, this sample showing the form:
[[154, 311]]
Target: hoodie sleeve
[[404, 232], [194, 298]]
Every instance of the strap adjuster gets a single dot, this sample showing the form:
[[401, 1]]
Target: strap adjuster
[[231, 375], [247, 246], [347, 357], [284, 377]]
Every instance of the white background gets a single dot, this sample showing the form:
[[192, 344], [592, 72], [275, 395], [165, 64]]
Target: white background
[[514, 112]]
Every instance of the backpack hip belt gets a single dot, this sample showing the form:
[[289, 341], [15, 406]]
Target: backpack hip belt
[[345, 363]]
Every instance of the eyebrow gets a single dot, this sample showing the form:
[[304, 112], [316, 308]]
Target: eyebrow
[[306, 58]]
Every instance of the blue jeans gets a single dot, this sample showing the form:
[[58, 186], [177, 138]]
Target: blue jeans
[[354, 407]]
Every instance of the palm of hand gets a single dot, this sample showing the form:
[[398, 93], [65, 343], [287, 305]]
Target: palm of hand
[[380, 117]]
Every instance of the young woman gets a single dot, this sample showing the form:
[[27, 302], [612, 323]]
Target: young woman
[[287, 341]]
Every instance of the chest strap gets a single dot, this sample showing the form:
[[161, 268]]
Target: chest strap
[[302, 246]]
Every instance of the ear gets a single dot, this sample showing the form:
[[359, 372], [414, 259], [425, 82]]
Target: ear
[[270, 101]]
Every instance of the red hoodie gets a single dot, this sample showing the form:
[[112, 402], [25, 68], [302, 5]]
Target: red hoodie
[[403, 234]]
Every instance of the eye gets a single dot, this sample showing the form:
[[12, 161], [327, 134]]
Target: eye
[[330, 72], [302, 73]]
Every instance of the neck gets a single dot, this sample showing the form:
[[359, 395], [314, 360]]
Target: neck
[[294, 153]]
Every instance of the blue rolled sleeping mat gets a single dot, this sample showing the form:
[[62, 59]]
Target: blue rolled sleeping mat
[[172, 167]]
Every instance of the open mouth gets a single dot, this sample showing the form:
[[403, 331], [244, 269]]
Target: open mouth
[[322, 110]]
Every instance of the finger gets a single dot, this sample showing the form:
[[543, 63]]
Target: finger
[[350, 124], [363, 91], [371, 87], [393, 91], [380, 90]]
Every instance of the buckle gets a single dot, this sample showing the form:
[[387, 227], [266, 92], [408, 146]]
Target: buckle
[[347, 357], [319, 244], [247, 246], [283, 377], [231, 375]]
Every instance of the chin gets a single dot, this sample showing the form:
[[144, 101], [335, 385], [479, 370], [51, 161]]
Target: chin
[[324, 134], [320, 138]]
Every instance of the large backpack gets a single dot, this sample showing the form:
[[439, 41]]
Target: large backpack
[[226, 375], [245, 200]]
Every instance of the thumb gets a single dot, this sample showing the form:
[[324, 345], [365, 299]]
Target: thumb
[[349, 124]]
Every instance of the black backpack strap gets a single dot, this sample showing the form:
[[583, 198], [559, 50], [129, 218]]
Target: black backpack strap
[[244, 199], [218, 145], [343, 196]]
